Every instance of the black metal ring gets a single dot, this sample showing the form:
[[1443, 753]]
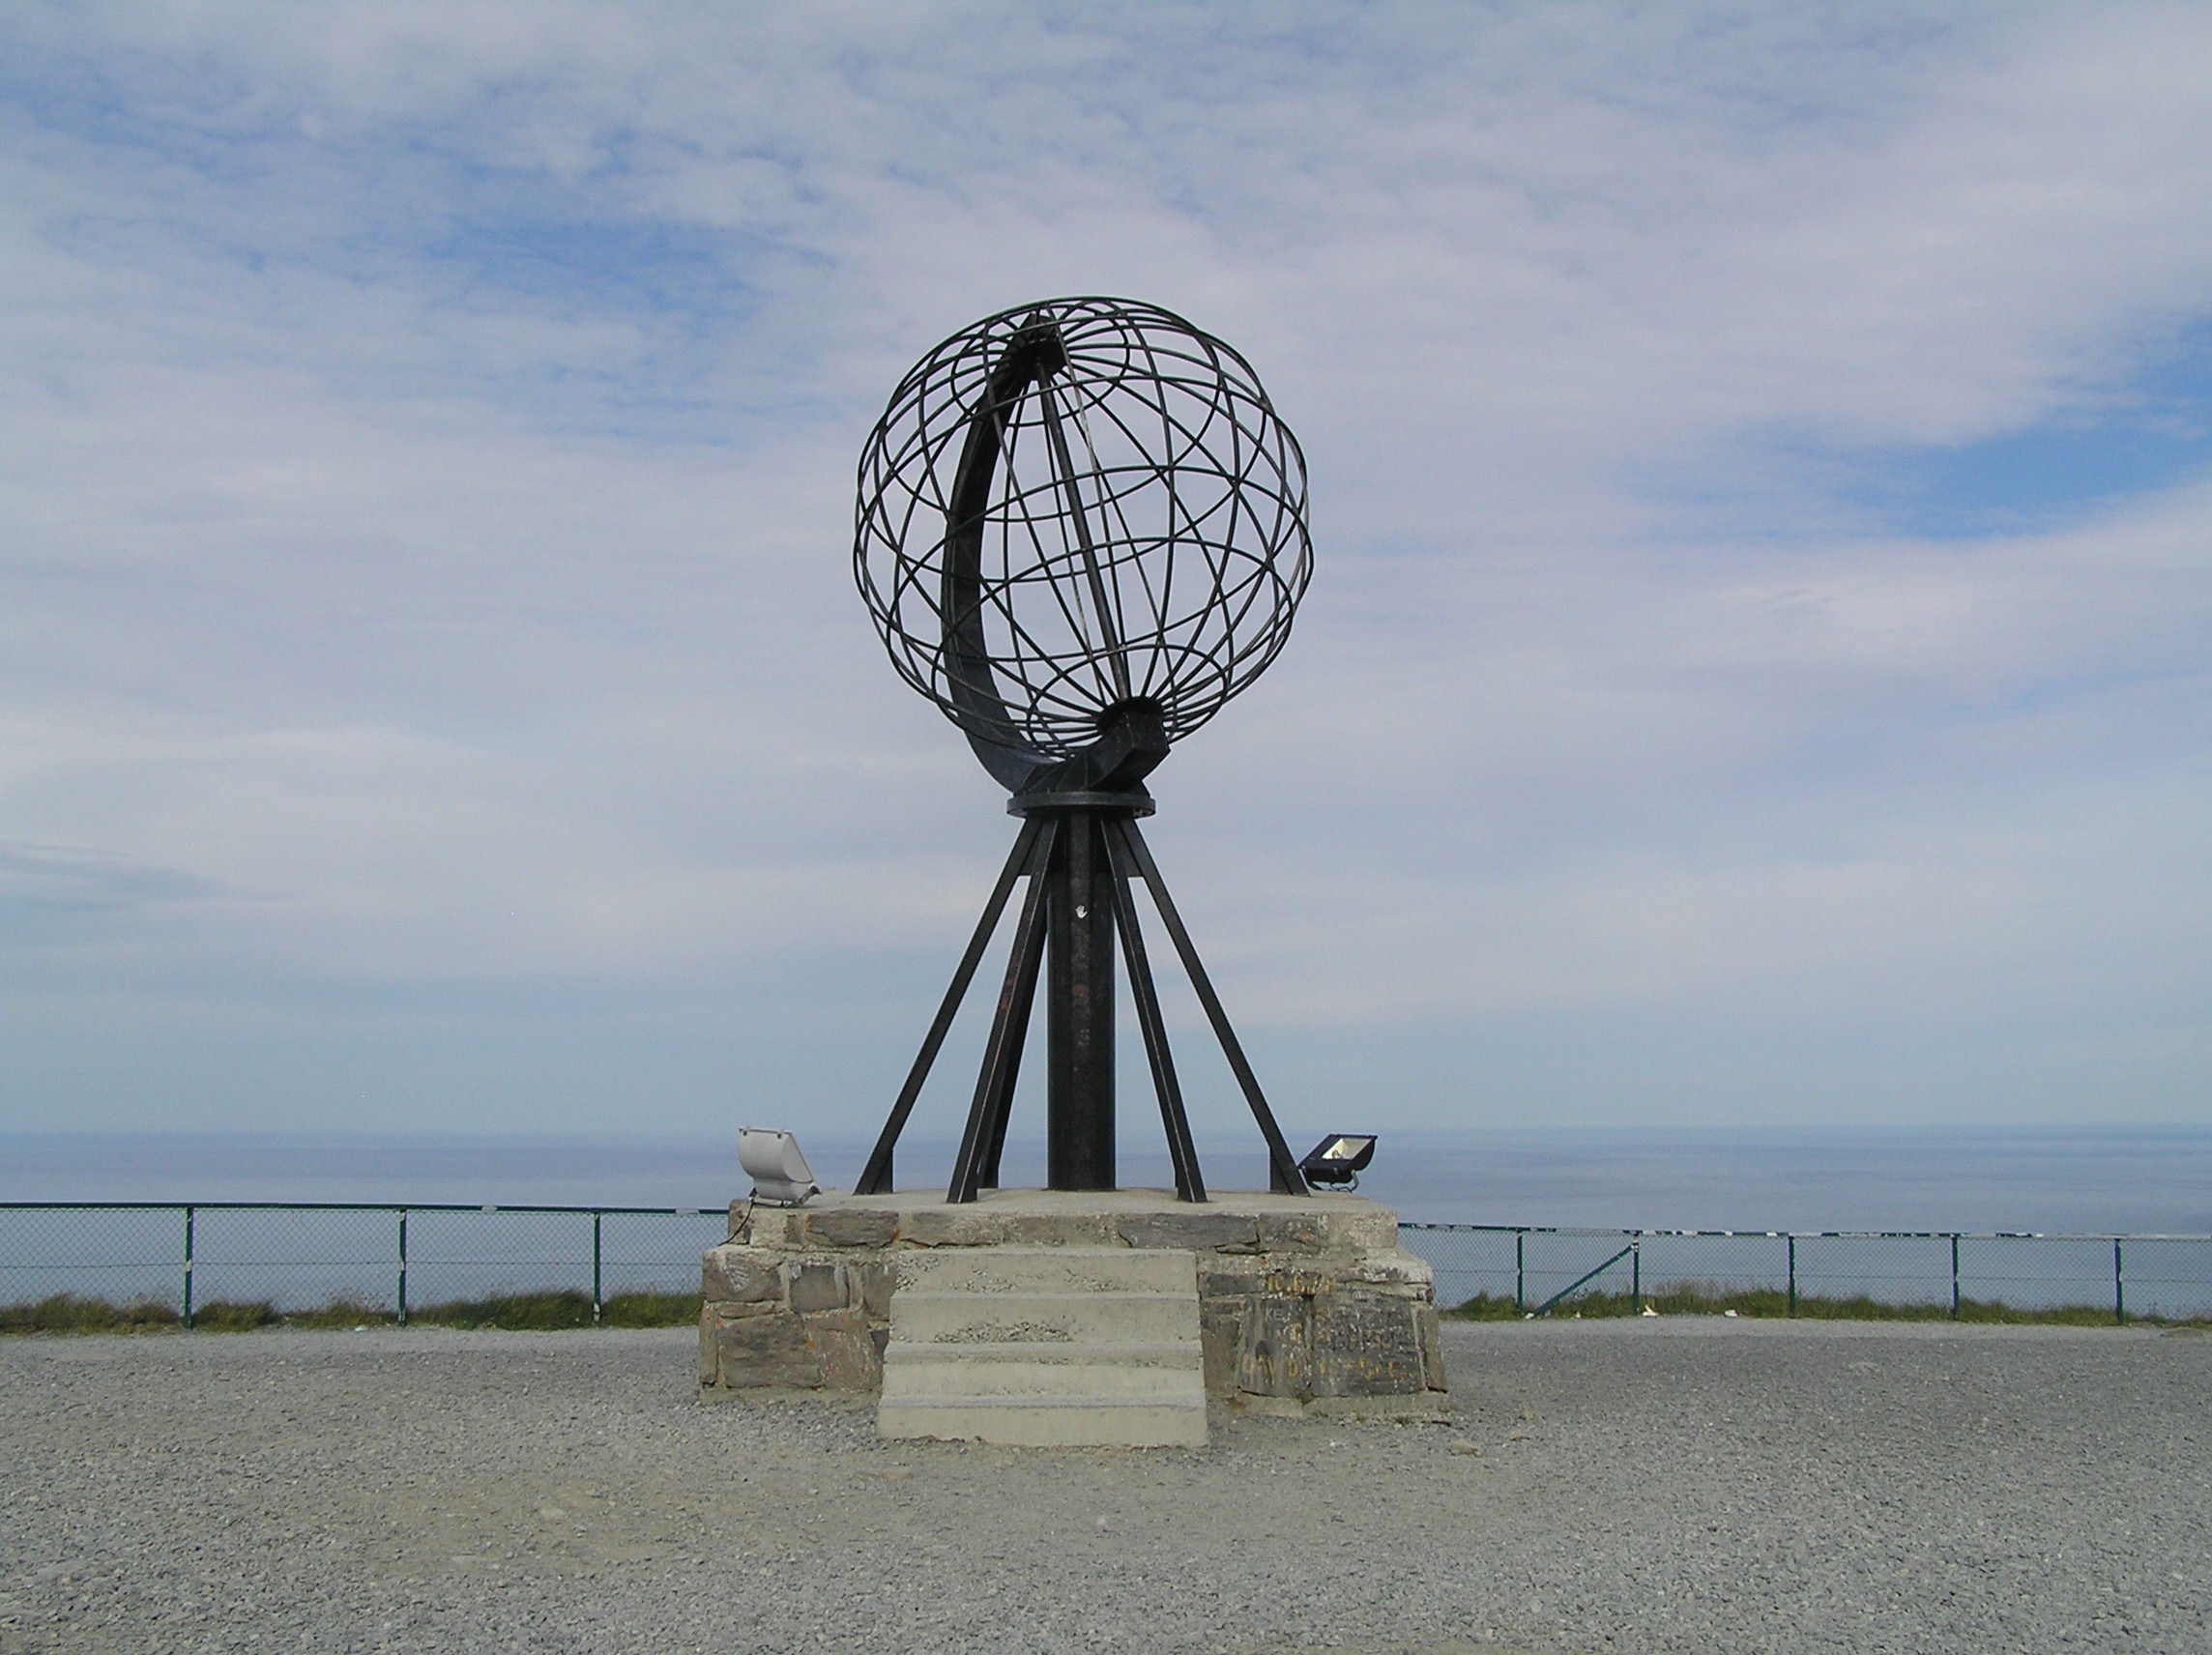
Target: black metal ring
[[1120, 804], [1073, 505]]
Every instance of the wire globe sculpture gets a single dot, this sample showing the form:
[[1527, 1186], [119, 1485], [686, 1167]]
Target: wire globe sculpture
[[1081, 529], [1076, 507]]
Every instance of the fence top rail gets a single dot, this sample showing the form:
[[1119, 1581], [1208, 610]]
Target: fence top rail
[[1820, 1234], [1594, 1230], [393, 1207]]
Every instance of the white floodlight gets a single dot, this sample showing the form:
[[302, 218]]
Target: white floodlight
[[778, 1171]]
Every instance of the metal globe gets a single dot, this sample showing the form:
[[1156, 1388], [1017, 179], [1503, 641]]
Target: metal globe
[[1076, 507], [1081, 529]]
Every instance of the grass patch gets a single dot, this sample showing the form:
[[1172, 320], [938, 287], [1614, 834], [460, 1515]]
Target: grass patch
[[650, 1310], [1483, 1308], [66, 1313], [524, 1313], [338, 1316], [1707, 1298], [538, 1312], [555, 1312], [552, 1311]]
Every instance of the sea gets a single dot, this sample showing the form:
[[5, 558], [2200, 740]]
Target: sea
[[2101, 1179]]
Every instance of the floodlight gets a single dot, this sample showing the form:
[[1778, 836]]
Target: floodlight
[[1338, 1160], [779, 1172]]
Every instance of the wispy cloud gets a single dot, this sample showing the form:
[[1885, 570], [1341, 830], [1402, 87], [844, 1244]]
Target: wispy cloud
[[427, 475], [59, 879]]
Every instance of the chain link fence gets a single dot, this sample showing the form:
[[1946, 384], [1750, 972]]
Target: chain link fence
[[297, 1257], [304, 1257], [1502, 1269]]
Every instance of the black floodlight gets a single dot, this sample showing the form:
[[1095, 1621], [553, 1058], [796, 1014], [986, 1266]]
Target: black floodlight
[[1338, 1160]]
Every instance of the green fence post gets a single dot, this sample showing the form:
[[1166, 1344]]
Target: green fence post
[[596, 1217], [1953, 1275], [1519, 1270], [187, 1318], [2119, 1287], [1793, 1274], [403, 1266]]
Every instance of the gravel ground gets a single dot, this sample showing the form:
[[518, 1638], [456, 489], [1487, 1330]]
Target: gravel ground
[[1674, 1485]]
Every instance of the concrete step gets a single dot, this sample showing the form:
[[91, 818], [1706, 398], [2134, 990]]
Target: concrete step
[[910, 1380], [1046, 1346], [1030, 1318], [1048, 1269], [1141, 1353]]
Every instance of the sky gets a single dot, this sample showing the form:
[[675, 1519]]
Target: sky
[[1754, 670]]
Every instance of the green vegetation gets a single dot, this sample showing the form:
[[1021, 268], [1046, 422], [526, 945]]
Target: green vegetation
[[650, 1310], [537, 1312], [1710, 1298], [66, 1313], [553, 1312], [532, 1312], [337, 1314]]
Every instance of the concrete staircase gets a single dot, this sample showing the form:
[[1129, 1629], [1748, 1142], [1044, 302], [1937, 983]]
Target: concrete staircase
[[1046, 1347]]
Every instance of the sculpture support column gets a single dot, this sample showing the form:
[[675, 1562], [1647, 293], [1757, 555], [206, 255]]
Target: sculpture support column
[[1079, 1012]]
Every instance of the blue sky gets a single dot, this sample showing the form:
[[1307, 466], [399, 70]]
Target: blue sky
[[1756, 669]]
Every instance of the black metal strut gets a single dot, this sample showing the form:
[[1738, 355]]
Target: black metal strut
[[1080, 1148]]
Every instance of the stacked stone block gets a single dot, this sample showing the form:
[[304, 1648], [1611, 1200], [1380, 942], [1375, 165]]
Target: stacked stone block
[[1306, 1305]]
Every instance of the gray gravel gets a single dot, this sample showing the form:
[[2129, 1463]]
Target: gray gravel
[[1671, 1485]]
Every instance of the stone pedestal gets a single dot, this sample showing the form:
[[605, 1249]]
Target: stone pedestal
[[1307, 1305]]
